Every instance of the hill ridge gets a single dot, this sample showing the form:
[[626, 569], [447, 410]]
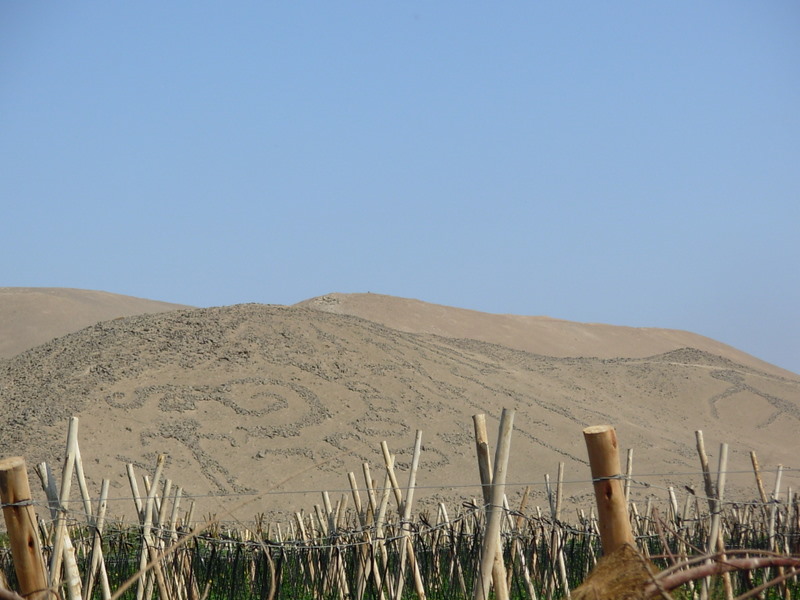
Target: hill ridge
[[538, 334]]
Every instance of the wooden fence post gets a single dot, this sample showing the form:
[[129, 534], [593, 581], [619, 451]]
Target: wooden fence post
[[494, 516], [485, 470], [20, 518], [612, 510]]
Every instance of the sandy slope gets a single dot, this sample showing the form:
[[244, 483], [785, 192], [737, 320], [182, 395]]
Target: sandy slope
[[251, 400], [33, 316], [540, 335]]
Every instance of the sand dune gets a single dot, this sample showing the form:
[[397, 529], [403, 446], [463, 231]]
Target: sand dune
[[540, 335], [33, 316], [252, 400]]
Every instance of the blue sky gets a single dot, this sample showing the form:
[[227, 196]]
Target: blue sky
[[632, 163]]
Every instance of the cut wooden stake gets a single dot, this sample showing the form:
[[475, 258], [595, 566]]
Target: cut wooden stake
[[63, 550], [70, 565], [144, 589], [615, 526], [495, 510], [406, 545], [761, 493], [20, 518], [97, 562], [499, 576], [701, 451], [56, 559], [407, 548], [557, 545]]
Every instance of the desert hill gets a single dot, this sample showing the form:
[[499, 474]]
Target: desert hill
[[33, 316], [268, 405], [540, 335]]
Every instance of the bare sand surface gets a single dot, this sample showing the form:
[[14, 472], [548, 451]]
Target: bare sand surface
[[32, 316], [537, 334], [259, 408]]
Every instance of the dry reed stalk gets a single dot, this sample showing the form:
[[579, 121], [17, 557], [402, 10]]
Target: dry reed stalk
[[455, 561], [773, 507], [647, 522], [448, 543], [628, 474], [166, 490], [588, 528], [184, 580], [341, 507], [715, 494], [673, 505], [327, 524], [149, 552], [562, 566], [715, 503], [48, 481], [177, 582], [307, 566], [173, 517], [759, 483], [343, 589], [137, 499], [181, 542], [517, 555], [681, 533], [97, 563], [321, 524], [341, 512], [435, 535], [773, 518], [556, 571], [701, 451], [189, 519]]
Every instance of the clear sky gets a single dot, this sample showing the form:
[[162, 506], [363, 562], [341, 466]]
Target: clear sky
[[633, 163]]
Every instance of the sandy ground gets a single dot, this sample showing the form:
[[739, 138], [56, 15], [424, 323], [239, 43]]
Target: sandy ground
[[259, 408], [32, 316]]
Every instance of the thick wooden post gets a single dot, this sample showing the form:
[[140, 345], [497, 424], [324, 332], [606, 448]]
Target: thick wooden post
[[612, 510], [20, 518]]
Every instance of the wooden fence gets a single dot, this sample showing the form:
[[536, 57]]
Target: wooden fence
[[371, 543]]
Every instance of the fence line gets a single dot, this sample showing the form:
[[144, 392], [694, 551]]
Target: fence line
[[344, 552], [459, 486]]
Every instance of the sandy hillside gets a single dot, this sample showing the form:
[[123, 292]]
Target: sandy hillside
[[540, 335], [33, 316], [260, 407]]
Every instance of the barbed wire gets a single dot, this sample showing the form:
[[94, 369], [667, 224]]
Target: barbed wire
[[347, 537], [77, 517], [415, 528]]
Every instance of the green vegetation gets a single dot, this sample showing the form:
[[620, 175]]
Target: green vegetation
[[243, 565]]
